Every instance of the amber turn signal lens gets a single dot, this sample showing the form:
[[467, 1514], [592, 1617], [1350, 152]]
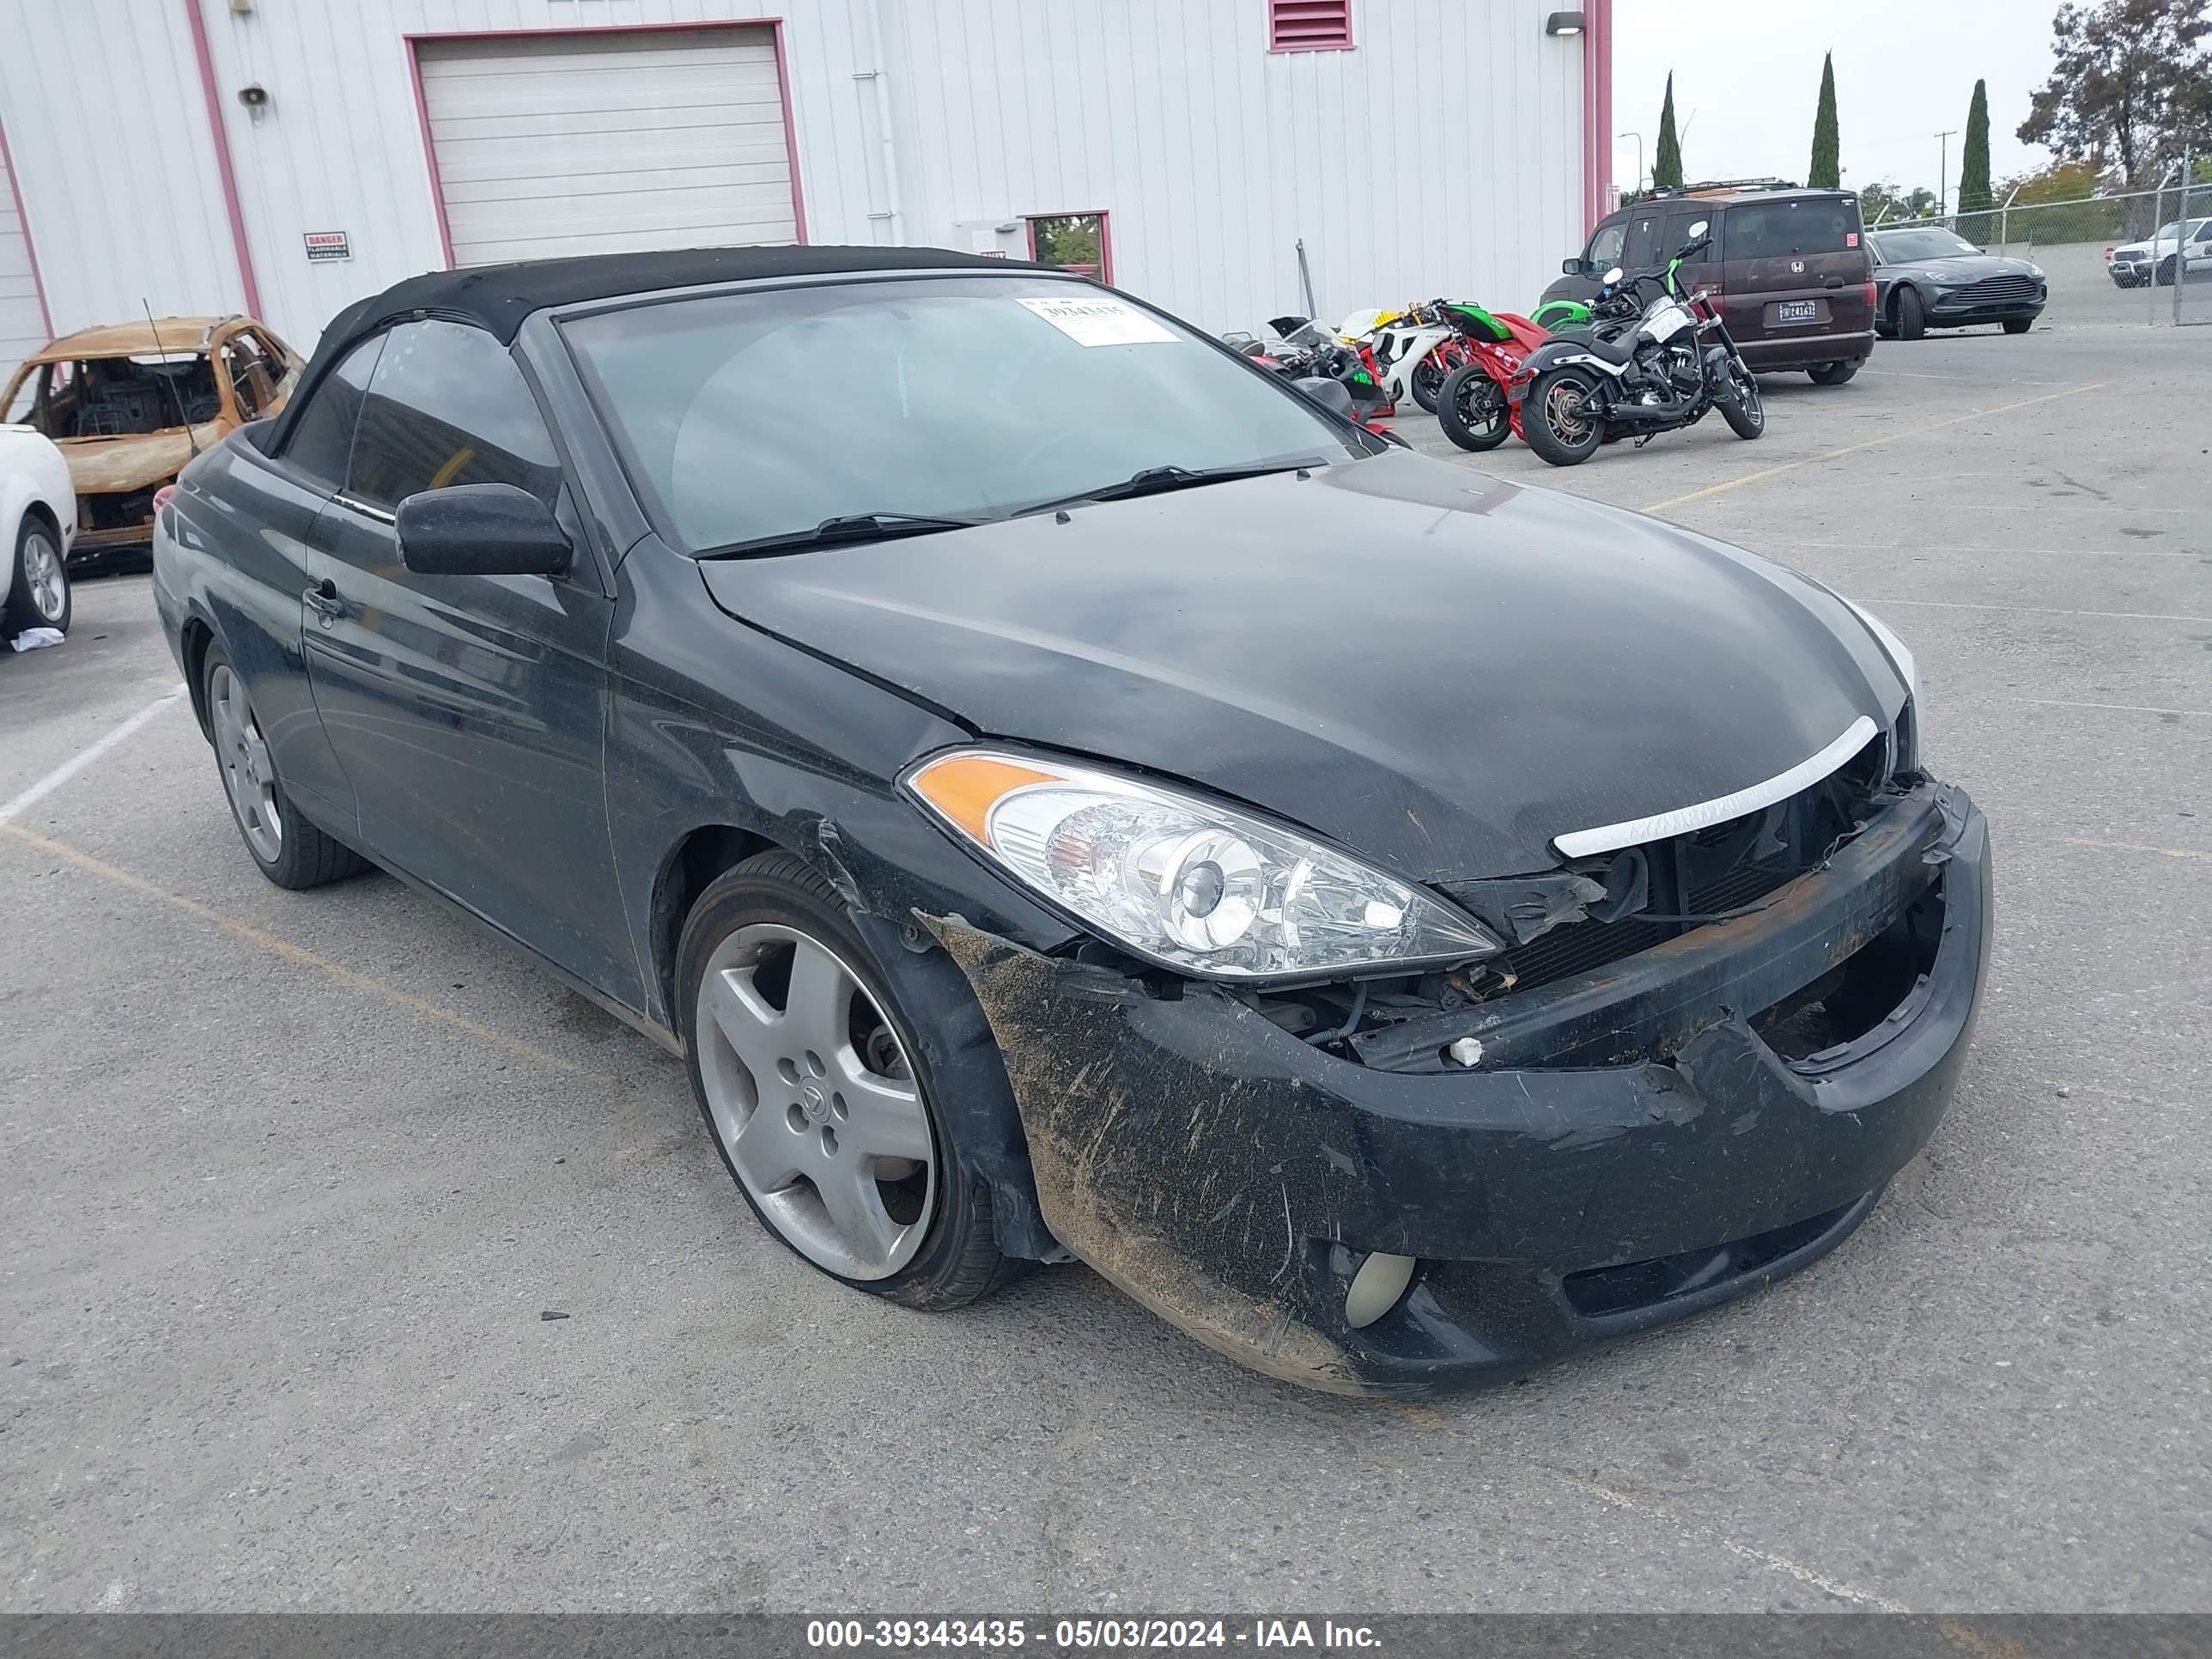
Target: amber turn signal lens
[[966, 788]]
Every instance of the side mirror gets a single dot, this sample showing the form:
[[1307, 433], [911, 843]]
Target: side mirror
[[1329, 394], [1571, 267], [480, 530], [1698, 230], [1613, 276]]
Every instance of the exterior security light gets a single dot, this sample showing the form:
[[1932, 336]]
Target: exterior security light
[[1564, 22]]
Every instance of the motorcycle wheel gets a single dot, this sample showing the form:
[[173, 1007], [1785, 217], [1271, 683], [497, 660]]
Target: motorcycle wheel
[[1427, 382], [1472, 410], [1742, 408], [1558, 420]]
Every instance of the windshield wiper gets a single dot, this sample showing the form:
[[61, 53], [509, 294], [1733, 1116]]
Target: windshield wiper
[[1157, 480], [845, 529]]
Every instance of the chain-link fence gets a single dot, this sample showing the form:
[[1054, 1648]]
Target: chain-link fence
[[2144, 256], [2187, 269]]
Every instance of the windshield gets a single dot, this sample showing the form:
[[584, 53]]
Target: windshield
[[744, 417], [1902, 246]]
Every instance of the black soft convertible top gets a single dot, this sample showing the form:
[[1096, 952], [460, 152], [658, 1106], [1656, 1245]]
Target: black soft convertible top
[[497, 298]]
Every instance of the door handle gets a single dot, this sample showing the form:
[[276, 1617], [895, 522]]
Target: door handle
[[1835, 282], [323, 599]]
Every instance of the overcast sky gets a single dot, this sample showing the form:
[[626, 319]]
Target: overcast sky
[[1746, 79]]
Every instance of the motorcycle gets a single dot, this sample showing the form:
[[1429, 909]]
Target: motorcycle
[[1414, 349], [1473, 404], [1640, 370], [1311, 353]]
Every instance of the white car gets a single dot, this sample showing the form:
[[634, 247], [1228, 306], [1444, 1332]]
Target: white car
[[38, 522], [2134, 263]]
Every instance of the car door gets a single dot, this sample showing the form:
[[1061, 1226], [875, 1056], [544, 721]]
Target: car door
[[263, 515], [470, 712], [1600, 255]]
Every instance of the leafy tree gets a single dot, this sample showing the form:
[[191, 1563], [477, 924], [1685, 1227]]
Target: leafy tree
[[1976, 223], [1823, 175], [1885, 201], [2131, 80], [1667, 165]]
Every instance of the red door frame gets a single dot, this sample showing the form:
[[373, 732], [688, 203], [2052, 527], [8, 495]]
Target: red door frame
[[23, 220], [226, 174], [1105, 218], [772, 25], [1597, 110]]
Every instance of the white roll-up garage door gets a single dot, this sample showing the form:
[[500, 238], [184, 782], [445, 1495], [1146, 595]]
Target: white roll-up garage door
[[608, 142], [22, 320]]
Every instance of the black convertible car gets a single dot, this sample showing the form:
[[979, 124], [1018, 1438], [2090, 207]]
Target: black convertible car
[[1936, 278], [1066, 792]]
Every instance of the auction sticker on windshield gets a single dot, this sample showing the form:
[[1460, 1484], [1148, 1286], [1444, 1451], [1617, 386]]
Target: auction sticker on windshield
[[1100, 321]]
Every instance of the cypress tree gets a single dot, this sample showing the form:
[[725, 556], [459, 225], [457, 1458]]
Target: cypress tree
[[1976, 198], [1667, 164], [1824, 174]]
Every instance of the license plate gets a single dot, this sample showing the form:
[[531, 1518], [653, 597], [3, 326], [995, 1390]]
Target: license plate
[[1796, 311]]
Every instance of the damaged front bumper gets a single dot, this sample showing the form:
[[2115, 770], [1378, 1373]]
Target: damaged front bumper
[[1234, 1178]]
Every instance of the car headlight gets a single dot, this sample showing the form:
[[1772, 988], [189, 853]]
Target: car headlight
[[1183, 881], [2036, 272]]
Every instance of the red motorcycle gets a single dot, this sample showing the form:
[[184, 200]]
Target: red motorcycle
[[1472, 407]]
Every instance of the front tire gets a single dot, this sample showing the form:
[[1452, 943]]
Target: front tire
[[40, 596], [285, 847], [1473, 411], [1836, 373], [1427, 380], [1742, 408], [1911, 315], [1558, 420], [819, 1095], [2164, 275]]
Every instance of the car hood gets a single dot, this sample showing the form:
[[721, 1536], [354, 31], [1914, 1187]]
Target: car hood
[[1969, 267], [1436, 668], [101, 466]]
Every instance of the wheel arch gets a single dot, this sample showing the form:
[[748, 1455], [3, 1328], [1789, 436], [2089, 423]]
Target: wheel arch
[[692, 865], [193, 639]]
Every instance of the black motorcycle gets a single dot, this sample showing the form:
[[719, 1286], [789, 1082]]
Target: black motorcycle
[[1654, 358]]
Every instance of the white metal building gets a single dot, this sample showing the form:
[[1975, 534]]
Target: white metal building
[[285, 156]]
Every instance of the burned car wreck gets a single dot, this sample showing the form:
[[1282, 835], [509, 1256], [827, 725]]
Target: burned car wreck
[[1399, 926]]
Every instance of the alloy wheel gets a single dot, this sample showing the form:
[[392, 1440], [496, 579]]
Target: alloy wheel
[[1567, 411], [48, 586], [811, 1093], [248, 778]]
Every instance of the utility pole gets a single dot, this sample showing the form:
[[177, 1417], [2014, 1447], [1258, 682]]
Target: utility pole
[[1639, 156], [1943, 168]]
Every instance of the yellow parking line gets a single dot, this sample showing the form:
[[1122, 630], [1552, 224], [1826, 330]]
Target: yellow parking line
[[352, 979], [1776, 471]]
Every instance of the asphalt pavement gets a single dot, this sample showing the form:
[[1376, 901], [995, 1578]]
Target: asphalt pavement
[[293, 1186]]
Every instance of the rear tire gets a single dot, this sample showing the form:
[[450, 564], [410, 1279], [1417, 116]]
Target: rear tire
[[918, 1232], [40, 596], [1833, 373], [284, 847], [2018, 325], [1473, 411], [1562, 395], [1911, 315]]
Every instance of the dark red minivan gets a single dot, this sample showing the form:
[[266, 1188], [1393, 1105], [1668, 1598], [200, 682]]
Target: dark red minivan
[[1791, 268]]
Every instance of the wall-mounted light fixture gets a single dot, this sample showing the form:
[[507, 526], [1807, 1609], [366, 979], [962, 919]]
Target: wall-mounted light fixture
[[1564, 22]]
